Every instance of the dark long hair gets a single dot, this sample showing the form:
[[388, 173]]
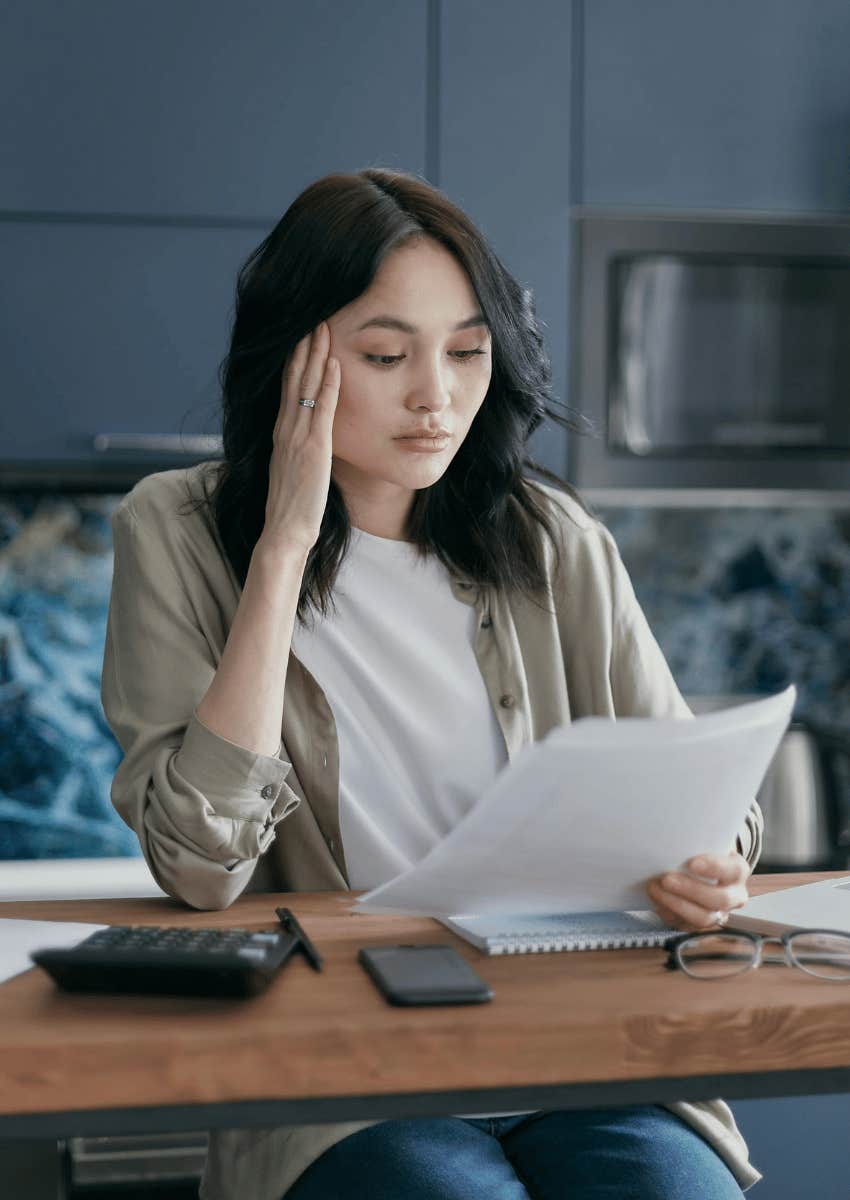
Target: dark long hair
[[481, 518]]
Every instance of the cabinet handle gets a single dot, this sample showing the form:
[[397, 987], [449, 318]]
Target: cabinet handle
[[157, 443]]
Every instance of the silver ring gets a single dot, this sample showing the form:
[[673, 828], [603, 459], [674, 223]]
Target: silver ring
[[308, 403], [720, 918]]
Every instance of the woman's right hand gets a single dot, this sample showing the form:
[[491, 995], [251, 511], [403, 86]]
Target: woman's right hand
[[300, 464]]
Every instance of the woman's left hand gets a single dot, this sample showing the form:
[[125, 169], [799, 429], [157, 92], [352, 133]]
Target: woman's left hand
[[689, 904]]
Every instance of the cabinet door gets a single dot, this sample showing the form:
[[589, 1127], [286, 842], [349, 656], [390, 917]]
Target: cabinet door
[[222, 108], [721, 105], [112, 329], [148, 148], [504, 120]]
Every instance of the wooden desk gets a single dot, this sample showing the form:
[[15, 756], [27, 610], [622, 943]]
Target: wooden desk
[[565, 1030]]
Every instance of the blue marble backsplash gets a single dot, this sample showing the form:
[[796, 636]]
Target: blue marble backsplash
[[57, 753], [741, 601], [746, 600]]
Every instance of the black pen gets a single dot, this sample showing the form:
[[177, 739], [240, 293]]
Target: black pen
[[290, 924]]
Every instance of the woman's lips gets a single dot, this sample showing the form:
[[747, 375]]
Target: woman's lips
[[427, 444]]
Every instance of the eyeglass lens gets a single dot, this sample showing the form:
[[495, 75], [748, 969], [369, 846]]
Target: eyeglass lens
[[710, 956], [715, 955], [824, 954]]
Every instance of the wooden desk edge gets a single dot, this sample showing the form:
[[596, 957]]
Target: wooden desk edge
[[188, 1118]]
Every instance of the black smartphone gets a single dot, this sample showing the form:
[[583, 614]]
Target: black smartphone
[[429, 974]]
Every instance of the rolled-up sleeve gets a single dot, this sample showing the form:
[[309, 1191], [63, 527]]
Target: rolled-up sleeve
[[642, 682], [204, 809]]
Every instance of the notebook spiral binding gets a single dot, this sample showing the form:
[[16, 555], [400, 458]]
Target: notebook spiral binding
[[545, 945]]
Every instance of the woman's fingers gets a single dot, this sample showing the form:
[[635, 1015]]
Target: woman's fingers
[[724, 868], [311, 380], [291, 375], [711, 898], [302, 445], [697, 901], [323, 418], [289, 384], [302, 379], [681, 912], [666, 914]]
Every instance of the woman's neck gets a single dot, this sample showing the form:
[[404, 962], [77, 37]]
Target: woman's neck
[[382, 511]]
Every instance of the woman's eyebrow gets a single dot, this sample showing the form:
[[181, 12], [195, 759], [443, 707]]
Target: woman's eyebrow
[[387, 322]]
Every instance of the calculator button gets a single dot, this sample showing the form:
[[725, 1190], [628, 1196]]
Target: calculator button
[[250, 952]]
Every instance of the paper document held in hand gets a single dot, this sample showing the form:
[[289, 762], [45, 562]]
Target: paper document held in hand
[[580, 820]]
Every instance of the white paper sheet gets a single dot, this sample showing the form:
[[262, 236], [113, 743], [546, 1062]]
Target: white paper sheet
[[18, 938], [580, 820]]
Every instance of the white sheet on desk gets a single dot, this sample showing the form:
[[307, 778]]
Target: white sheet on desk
[[19, 938], [584, 817]]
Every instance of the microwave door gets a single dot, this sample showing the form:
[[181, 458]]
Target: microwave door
[[725, 356], [683, 348]]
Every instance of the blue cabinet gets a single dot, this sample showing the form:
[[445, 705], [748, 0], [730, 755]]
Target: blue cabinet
[[503, 121], [112, 328], [722, 105], [215, 109], [148, 148]]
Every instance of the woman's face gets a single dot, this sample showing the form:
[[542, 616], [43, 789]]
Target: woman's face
[[396, 381]]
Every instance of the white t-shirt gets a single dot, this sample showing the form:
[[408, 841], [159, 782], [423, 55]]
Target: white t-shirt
[[418, 738]]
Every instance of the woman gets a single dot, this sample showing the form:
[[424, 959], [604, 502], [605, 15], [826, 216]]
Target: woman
[[372, 525]]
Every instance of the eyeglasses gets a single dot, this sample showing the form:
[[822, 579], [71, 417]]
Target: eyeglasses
[[821, 952]]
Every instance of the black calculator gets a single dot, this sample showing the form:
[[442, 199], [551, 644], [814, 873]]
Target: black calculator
[[170, 961]]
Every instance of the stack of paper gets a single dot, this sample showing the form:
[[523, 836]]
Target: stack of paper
[[582, 819]]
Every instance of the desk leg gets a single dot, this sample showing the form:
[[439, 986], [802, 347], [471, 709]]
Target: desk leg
[[32, 1169]]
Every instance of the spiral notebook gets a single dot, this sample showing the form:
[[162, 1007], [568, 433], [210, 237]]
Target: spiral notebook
[[544, 934]]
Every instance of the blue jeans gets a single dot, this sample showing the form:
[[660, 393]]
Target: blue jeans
[[643, 1152]]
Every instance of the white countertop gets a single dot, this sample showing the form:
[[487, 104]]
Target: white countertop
[[76, 879]]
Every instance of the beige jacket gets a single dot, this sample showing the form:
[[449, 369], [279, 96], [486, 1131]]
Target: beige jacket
[[198, 802]]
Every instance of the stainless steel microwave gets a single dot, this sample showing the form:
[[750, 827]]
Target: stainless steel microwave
[[711, 351]]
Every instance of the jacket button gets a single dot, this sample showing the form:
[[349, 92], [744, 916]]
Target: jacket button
[[507, 701], [331, 845], [267, 792], [486, 623]]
